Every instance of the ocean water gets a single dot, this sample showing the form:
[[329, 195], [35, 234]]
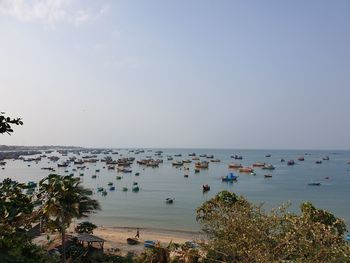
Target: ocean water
[[147, 208]]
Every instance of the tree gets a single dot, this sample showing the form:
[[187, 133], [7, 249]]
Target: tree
[[16, 217], [5, 123], [63, 200], [239, 231], [85, 227]]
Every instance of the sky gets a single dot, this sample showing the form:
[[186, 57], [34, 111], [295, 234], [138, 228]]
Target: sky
[[193, 74]]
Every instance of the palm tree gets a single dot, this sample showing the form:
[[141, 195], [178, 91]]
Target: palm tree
[[63, 200]]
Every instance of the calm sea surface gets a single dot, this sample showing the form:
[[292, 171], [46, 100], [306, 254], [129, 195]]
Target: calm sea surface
[[147, 208]]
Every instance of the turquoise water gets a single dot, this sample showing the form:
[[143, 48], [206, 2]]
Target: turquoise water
[[147, 208]]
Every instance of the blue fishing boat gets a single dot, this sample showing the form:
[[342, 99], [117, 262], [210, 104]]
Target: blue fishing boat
[[230, 177], [149, 244]]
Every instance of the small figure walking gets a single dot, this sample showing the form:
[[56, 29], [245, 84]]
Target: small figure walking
[[137, 233]]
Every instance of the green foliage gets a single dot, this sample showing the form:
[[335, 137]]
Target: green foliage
[[324, 217], [158, 254], [5, 123], [85, 227], [16, 216], [16, 207], [239, 231], [64, 199]]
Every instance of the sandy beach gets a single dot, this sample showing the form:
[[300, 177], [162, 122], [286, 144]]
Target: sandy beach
[[115, 238]]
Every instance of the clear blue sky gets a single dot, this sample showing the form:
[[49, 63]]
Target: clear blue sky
[[217, 74]]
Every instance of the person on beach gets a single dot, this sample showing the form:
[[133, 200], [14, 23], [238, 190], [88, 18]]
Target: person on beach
[[137, 233]]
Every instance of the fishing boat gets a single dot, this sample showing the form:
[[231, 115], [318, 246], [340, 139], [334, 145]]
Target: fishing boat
[[290, 162], [301, 158], [65, 164], [234, 166], [206, 188], [268, 155], [268, 167], [314, 184], [132, 241], [326, 158], [169, 200], [318, 162], [135, 189], [237, 157], [202, 165], [230, 177], [177, 163], [268, 175], [149, 244], [245, 170], [258, 164]]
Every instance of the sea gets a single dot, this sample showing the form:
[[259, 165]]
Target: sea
[[148, 209]]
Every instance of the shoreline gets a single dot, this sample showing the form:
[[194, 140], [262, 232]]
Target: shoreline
[[115, 237]]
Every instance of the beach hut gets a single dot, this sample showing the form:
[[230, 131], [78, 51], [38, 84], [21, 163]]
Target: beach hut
[[90, 240]]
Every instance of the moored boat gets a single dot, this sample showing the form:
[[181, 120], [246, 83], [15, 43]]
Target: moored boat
[[202, 165], [268, 167], [177, 163], [290, 162], [206, 188], [230, 177], [314, 184], [258, 164], [246, 170], [234, 166], [169, 200]]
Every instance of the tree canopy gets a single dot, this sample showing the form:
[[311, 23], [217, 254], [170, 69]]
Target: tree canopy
[[240, 231], [5, 123]]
